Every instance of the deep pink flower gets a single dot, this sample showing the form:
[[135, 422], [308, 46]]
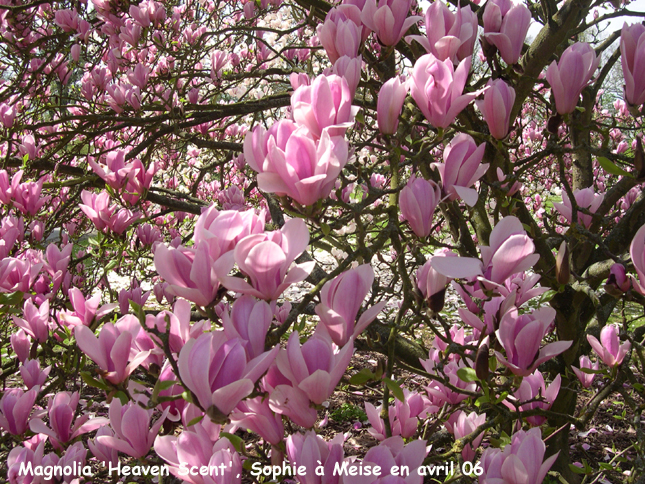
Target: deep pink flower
[[585, 198], [448, 35], [496, 108], [519, 463], [418, 201], [609, 349], [571, 74], [632, 49], [514, 25], [389, 104], [461, 168], [267, 260], [438, 89], [389, 20]]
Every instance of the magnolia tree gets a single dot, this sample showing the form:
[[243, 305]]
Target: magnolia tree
[[210, 211]]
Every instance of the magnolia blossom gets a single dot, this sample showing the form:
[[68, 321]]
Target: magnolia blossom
[[513, 24], [448, 35], [326, 103], [438, 89], [310, 451], [521, 336], [418, 201], [585, 198], [341, 298], [571, 74], [389, 104], [532, 389], [389, 19], [267, 260], [339, 35], [496, 109], [315, 367], [586, 379], [461, 168], [609, 349], [521, 461], [216, 369], [632, 49]]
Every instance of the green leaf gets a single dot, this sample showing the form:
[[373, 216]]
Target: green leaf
[[395, 388], [326, 229], [195, 421], [576, 469], [11, 299], [111, 265], [237, 442], [362, 377], [93, 382], [467, 374], [611, 168], [481, 400]]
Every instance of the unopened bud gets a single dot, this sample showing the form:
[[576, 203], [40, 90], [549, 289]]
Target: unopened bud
[[481, 363], [562, 265]]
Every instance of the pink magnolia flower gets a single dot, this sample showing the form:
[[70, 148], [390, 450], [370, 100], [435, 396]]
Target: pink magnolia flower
[[181, 328], [389, 104], [249, 320], [85, 310], [339, 35], [609, 349], [196, 449], [437, 89], [226, 228], [306, 170], [15, 408], [131, 425], [17, 274], [7, 115], [326, 103], [586, 379], [533, 389], [461, 168], [389, 20], [521, 336], [632, 49], [148, 235], [585, 198], [110, 351], [315, 367], [32, 375], [61, 410], [28, 198], [571, 74], [19, 458], [311, 450], [36, 322], [403, 415], [349, 68], [216, 369], [465, 424], [637, 253], [97, 208], [21, 345], [496, 107], [191, 272], [448, 35], [513, 26], [134, 294], [116, 171], [521, 461], [392, 452], [256, 415], [103, 453], [341, 298], [267, 260], [418, 201], [256, 143]]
